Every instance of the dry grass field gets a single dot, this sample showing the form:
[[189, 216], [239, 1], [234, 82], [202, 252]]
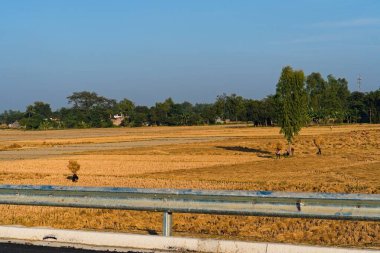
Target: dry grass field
[[233, 157]]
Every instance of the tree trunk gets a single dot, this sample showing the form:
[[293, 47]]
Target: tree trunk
[[290, 149]]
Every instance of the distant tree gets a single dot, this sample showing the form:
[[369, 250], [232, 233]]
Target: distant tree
[[125, 107], [195, 119], [179, 114], [70, 117], [92, 110], [234, 107], [99, 118], [37, 116], [138, 120], [328, 99], [207, 112], [269, 111], [10, 116], [139, 116], [253, 111], [230, 107], [220, 106], [335, 99], [86, 100], [372, 102], [161, 112], [316, 89], [40, 108], [291, 103], [357, 108]]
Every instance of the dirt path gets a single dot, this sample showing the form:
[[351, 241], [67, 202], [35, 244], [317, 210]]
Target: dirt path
[[32, 153]]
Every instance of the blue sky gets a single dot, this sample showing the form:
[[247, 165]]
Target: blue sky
[[193, 50]]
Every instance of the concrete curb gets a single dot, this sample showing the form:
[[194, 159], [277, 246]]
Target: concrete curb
[[122, 242]]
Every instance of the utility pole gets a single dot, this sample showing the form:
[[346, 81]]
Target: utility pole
[[359, 82]]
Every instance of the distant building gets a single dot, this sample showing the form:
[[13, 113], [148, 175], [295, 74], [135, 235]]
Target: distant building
[[14, 125], [117, 119], [219, 120]]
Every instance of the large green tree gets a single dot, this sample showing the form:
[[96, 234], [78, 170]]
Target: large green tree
[[291, 100]]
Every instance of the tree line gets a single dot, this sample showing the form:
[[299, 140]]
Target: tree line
[[326, 101]]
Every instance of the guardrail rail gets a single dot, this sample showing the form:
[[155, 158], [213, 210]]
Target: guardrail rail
[[334, 206]]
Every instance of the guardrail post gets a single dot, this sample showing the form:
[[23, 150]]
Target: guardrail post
[[167, 222]]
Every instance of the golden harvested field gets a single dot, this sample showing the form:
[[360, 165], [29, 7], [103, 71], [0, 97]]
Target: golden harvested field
[[233, 157]]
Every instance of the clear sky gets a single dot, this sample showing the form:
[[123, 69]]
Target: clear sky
[[193, 50]]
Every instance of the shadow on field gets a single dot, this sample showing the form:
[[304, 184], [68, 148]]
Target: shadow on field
[[260, 152], [152, 232]]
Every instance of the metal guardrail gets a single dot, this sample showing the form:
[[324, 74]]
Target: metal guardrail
[[251, 203]]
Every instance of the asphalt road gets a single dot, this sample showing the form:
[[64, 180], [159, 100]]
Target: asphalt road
[[19, 248]]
